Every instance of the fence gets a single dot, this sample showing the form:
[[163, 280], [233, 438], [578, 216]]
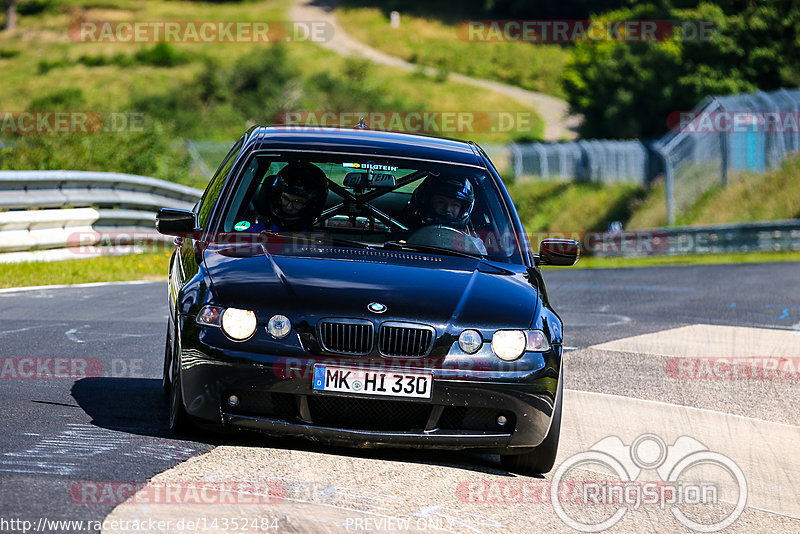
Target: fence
[[728, 134], [590, 161], [35, 225], [724, 135]]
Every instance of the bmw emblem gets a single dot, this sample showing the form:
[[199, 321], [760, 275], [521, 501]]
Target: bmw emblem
[[376, 307]]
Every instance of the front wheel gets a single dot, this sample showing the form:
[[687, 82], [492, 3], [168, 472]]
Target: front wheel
[[178, 418], [167, 359], [542, 458]]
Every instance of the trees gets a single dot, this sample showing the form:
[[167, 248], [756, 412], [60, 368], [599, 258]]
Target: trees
[[626, 89]]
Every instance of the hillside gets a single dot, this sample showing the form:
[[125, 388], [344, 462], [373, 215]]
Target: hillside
[[197, 91]]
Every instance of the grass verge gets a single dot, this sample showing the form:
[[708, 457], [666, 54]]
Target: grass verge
[[154, 266], [593, 262], [146, 266]]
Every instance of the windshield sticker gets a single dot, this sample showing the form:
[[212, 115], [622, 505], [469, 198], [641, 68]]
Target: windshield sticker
[[370, 166], [241, 226]]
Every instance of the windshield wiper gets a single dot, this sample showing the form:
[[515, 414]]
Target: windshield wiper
[[430, 248], [344, 242]]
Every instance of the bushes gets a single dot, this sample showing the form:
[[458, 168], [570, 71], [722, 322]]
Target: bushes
[[160, 55], [150, 152], [257, 87]]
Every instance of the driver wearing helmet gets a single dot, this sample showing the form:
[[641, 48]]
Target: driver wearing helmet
[[446, 201], [292, 199], [440, 210]]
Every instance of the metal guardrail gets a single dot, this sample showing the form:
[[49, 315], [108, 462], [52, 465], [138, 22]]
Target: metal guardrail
[[769, 236], [98, 204]]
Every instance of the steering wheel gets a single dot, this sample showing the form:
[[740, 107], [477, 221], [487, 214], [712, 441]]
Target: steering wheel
[[442, 236]]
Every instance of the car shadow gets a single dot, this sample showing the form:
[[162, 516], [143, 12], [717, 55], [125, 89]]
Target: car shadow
[[133, 405], [139, 406]]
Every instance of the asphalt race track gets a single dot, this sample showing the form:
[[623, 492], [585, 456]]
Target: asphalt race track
[[643, 352]]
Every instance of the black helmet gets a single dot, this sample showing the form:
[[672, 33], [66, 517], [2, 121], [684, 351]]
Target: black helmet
[[423, 207], [301, 179]]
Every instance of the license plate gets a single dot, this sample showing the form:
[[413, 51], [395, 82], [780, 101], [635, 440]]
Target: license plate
[[361, 382]]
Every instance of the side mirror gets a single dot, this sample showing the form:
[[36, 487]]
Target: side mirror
[[560, 252], [171, 221]]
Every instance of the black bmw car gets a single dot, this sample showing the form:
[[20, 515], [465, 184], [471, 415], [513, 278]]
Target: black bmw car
[[364, 288]]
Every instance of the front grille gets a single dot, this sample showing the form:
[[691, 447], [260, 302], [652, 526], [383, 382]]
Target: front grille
[[346, 336], [367, 414], [400, 339]]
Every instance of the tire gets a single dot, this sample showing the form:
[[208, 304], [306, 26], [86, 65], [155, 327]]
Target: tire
[[541, 459], [179, 422], [165, 380]]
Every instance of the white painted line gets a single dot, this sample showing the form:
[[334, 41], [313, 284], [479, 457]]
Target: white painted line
[[72, 331], [26, 328], [710, 341], [623, 398], [69, 286]]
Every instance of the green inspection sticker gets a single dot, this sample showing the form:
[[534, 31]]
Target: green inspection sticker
[[241, 226]]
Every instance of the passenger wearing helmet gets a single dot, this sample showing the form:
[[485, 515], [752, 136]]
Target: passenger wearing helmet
[[292, 199], [447, 201]]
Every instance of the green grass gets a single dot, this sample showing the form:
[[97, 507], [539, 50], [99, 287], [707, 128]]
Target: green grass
[[774, 195], [593, 262], [431, 42], [570, 206], [40, 63], [147, 266]]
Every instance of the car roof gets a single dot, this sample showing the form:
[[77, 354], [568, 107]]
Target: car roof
[[357, 141]]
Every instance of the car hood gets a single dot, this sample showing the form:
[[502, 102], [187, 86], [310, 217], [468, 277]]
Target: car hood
[[426, 288]]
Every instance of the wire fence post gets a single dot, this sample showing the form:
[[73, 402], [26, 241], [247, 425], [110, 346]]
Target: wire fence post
[[723, 147], [516, 154]]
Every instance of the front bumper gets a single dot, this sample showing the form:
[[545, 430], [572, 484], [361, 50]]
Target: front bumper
[[276, 397]]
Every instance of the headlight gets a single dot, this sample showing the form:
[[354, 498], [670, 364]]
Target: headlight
[[470, 341], [279, 326], [509, 345], [537, 342], [238, 324]]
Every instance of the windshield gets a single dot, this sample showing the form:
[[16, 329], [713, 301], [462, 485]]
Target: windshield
[[373, 202]]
